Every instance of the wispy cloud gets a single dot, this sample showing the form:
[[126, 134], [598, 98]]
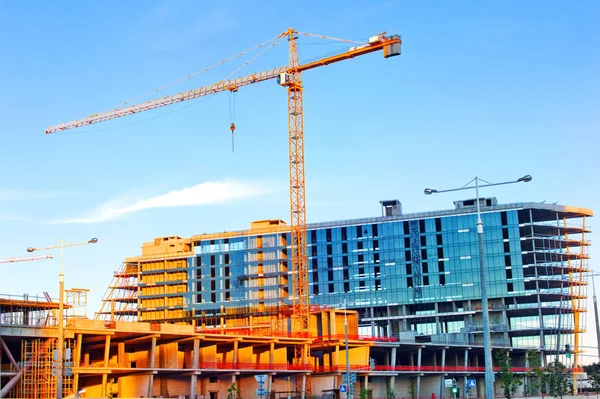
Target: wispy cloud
[[201, 194]]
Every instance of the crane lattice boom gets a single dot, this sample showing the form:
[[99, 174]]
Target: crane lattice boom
[[230, 85], [25, 259]]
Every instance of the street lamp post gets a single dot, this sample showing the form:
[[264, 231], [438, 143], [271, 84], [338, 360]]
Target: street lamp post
[[487, 347], [348, 380], [61, 293]]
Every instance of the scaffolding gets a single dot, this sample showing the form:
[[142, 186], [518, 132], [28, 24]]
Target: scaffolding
[[28, 310], [120, 301], [38, 378], [76, 299]]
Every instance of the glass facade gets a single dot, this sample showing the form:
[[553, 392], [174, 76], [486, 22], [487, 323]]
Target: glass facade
[[368, 264], [414, 277]]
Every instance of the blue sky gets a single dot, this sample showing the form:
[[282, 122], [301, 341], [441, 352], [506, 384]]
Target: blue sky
[[489, 89]]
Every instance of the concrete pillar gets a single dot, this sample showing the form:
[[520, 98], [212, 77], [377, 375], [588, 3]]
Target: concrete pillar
[[465, 376], [443, 365], [152, 365], [236, 345], [419, 353], [271, 353], [121, 354], [438, 329], [373, 330], [389, 321], [392, 384], [106, 357], [195, 364], [77, 362]]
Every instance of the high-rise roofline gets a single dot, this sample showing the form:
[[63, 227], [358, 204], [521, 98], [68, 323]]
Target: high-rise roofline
[[566, 211]]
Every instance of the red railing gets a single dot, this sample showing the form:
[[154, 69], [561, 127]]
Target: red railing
[[342, 368], [261, 332]]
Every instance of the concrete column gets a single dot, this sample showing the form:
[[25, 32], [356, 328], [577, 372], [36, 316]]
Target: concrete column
[[152, 365], [77, 362], [465, 377], [372, 312], [392, 384], [271, 353], [194, 376], [443, 365], [121, 354], [336, 356], [106, 357], [389, 322], [236, 345], [419, 353], [438, 329], [393, 357]]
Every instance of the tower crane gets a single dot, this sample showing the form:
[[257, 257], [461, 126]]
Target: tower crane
[[25, 259], [289, 76]]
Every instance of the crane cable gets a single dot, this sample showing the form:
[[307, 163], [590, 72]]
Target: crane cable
[[234, 90], [232, 117], [276, 38], [332, 38]]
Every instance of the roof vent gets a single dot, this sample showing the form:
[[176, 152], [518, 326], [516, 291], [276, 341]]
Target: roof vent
[[391, 208], [471, 203]]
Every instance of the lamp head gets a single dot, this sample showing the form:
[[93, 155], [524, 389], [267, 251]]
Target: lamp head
[[93, 240], [30, 249], [429, 191], [525, 178]]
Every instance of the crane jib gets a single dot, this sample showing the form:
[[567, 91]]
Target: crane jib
[[389, 44]]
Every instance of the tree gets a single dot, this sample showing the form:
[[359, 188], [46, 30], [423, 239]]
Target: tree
[[591, 368], [233, 392], [364, 393], [595, 382], [510, 381], [558, 378], [535, 376], [391, 394]]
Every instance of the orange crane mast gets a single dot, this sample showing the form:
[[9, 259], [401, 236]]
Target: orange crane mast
[[289, 76]]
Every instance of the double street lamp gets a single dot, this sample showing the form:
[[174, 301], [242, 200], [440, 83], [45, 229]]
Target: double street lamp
[[61, 289], [487, 347]]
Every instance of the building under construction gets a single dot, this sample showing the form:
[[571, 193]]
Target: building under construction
[[192, 316]]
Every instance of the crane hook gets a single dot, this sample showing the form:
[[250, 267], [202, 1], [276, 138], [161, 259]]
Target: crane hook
[[232, 127]]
